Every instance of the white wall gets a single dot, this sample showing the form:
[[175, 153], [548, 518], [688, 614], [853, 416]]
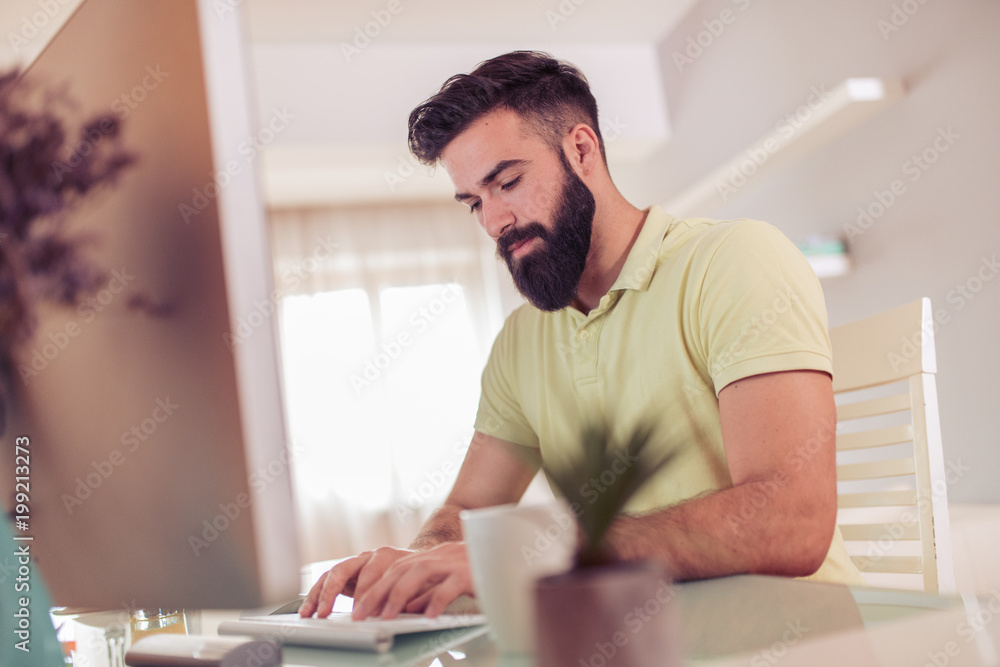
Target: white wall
[[938, 233]]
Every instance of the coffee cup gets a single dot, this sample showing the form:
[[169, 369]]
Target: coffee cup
[[509, 548]]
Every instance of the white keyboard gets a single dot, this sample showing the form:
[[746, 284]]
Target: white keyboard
[[339, 630]]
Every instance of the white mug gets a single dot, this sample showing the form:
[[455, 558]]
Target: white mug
[[509, 548]]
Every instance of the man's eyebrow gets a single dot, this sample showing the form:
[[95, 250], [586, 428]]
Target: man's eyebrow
[[488, 178]]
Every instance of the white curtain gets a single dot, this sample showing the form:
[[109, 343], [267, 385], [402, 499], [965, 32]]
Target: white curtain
[[387, 317]]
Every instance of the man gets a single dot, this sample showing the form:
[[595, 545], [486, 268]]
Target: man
[[715, 329]]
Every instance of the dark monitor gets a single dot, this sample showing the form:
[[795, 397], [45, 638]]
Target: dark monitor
[[159, 473]]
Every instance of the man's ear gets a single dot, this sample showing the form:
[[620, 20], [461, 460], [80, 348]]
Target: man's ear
[[583, 150]]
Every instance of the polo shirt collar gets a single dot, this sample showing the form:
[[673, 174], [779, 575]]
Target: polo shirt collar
[[638, 269]]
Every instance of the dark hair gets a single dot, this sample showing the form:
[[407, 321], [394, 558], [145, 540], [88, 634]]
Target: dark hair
[[552, 95]]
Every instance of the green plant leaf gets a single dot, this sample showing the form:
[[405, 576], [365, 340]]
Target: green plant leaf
[[584, 475]]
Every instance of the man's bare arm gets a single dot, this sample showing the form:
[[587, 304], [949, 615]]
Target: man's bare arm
[[494, 472], [778, 518]]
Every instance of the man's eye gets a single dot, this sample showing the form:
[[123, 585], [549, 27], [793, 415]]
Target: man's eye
[[511, 184], [474, 207]]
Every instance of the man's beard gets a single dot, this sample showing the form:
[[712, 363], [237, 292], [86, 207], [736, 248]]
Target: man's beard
[[549, 275]]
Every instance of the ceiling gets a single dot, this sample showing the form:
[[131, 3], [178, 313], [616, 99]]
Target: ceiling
[[391, 54], [308, 56], [469, 22], [438, 22]]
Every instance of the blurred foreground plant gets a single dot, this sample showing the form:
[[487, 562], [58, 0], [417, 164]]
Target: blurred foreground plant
[[598, 455], [45, 171]]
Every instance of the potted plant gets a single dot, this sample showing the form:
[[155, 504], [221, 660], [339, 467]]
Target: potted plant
[[46, 169], [604, 612]]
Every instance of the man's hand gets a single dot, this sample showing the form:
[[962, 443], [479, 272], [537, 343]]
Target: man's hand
[[425, 582], [352, 577], [495, 472]]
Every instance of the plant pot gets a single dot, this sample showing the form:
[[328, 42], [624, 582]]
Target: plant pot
[[609, 616]]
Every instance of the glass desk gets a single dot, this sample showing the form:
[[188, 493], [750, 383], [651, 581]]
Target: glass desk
[[746, 620]]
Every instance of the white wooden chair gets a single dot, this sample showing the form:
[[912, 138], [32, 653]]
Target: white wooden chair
[[892, 488]]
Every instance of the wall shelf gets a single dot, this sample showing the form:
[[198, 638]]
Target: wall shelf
[[846, 106]]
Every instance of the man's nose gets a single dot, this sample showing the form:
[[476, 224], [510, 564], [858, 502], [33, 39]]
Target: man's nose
[[496, 217]]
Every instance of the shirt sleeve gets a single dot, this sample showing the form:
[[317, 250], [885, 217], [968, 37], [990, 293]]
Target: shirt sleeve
[[500, 414], [761, 307]]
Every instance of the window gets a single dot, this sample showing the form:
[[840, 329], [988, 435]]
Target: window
[[384, 339]]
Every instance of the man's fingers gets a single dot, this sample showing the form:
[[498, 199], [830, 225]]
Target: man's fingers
[[416, 581], [376, 567], [322, 596], [370, 603], [388, 581], [446, 593], [309, 604], [419, 603]]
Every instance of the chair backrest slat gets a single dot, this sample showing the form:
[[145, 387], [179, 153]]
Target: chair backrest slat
[[891, 564], [875, 469], [875, 407], [890, 435], [907, 498]]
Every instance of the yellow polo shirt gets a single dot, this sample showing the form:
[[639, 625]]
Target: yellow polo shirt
[[698, 304]]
